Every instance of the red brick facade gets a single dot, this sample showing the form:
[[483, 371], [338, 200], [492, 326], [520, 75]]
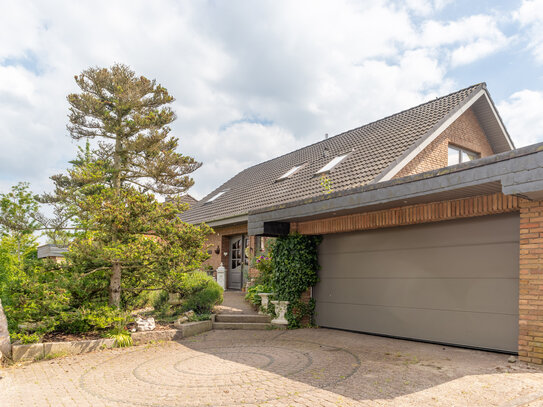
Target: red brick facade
[[220, 239], [411, 215], [465, 132], [531, 282]]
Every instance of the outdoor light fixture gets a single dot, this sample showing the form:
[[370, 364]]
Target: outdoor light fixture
[[217, 250]]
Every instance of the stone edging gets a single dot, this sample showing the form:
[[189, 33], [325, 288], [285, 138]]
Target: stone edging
[[37, 351]]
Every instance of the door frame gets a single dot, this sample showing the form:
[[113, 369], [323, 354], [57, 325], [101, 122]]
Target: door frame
[[243, 259]]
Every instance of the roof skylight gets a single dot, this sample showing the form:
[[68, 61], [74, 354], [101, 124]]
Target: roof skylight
[[215, 196], [332, 163], [290, 172]]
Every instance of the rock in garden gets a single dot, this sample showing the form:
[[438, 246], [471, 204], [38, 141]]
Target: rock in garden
[[180, 321], [512, 359], [189, 314], [145, 324], [5, 344]]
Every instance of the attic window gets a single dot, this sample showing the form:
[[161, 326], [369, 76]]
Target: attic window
[[332, 163], [459, 155], [215, 196], [290, 172]]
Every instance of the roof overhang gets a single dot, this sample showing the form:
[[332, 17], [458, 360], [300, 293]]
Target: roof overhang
[[517, 172], [485, 111], [228, 221]]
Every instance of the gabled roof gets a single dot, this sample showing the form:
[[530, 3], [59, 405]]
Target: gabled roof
[[376, 150]]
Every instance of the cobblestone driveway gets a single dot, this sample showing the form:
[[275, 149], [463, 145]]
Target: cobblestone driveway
[[310, 367]]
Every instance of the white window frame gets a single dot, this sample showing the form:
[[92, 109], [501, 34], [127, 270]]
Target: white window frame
[[218, 194], [460, 152], [290, 172], [332, 164]]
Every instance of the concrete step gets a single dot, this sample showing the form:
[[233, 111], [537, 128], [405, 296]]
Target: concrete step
[[241, 325], [242, 318]]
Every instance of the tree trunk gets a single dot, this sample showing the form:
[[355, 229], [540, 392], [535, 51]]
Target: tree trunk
[[115, 285], [115, 279]]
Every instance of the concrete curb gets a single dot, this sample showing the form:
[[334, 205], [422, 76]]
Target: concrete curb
[[37, 351]]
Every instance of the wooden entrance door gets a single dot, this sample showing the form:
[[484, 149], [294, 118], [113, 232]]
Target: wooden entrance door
[[237, 262]]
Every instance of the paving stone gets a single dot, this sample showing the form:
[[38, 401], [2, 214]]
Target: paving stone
[[307, 367]]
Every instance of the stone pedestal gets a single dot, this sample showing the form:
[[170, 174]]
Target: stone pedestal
[[264, 304], [221, 276], [280, 311]]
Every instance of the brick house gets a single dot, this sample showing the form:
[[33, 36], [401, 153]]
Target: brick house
[[432, 225]]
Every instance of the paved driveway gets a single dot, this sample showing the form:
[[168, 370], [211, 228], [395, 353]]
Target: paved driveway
[[309, 367]]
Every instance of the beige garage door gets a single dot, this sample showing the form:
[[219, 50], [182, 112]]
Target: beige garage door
[[452, 282]]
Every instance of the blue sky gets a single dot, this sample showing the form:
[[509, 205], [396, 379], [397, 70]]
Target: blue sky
[[254, 79]]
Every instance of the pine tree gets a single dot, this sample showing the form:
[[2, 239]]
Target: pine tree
[[129, 117]]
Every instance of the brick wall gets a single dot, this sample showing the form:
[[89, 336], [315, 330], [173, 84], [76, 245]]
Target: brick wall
[[531, 282], [221, 239], [465, 132], [411, 215]]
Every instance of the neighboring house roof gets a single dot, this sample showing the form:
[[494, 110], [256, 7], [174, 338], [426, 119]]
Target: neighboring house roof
[[51, 250], [188, 199], [376, 152]]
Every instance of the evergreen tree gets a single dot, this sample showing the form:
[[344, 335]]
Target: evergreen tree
[[129, 117]]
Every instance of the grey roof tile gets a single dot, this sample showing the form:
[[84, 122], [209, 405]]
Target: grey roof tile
[[372, 148]]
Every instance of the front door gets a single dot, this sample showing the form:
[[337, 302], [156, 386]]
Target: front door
[[237, 261]]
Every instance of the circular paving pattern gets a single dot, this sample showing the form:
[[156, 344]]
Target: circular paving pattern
[[211, 374]]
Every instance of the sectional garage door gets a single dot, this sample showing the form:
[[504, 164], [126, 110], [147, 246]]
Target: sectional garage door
[[452, 282]]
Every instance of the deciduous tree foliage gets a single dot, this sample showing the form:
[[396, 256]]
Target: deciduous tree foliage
[[18, 210]]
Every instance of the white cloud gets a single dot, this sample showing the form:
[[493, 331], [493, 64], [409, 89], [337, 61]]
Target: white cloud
[[237, 147], [530, 16], [523, 118], [426, 7], [302, 68], [472, 38]]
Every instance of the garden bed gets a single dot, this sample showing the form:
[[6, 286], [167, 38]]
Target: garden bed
[[47, 350]]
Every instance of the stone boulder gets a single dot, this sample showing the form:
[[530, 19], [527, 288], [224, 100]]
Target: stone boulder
[[5, 344], [147, 324]]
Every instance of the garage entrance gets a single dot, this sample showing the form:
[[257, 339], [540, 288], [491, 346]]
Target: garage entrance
[[453, 282]]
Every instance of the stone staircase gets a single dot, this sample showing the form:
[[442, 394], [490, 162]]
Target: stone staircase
[[241, 321]]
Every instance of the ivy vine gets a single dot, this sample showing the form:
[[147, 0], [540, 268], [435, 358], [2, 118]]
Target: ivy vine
[[295, 264]]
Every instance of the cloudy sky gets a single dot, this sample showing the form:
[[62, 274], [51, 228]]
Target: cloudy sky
[[254, 79]]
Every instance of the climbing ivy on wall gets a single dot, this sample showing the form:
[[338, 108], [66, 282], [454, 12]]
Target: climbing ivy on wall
[[295, 265]]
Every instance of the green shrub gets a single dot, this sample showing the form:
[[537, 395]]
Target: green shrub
[[25, 338], [295, 263], [122, 338], [199, 292], [160, 303], [99, 318], [252, 293]]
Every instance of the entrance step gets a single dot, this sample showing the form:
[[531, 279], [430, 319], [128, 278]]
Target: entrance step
[[242, 325], [242, 318]]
